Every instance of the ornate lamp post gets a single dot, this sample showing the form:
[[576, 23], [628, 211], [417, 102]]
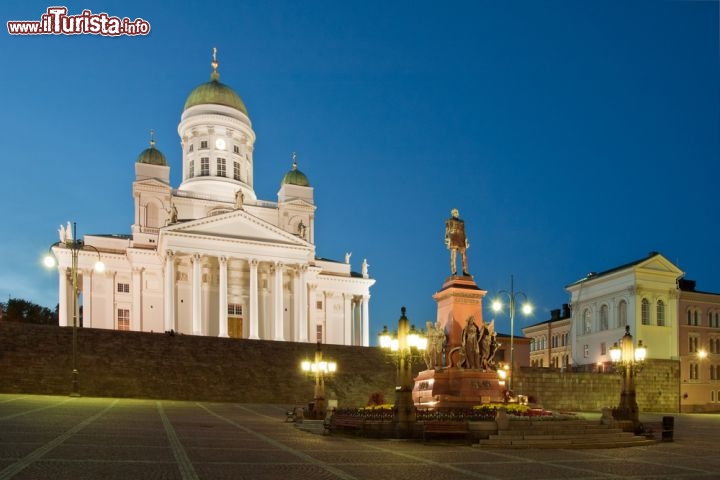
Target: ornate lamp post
[[69, 240], [497, 306], [319, 369], [408, 343], [629, 359]]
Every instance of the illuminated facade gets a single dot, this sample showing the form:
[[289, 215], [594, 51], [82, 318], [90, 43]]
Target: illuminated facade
[[209, 257]]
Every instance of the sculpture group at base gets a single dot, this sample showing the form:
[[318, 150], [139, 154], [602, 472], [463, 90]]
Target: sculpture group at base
[[477, 351]]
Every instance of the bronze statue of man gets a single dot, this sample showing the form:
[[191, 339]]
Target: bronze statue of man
[[455, 240]]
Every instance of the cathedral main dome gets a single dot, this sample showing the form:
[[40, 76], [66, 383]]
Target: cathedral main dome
[[214, 92]]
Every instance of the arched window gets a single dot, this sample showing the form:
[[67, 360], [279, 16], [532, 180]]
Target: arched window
[[689, 317], [660, 313], [645, 311], [604, 317], [622, 313], [587, 321]]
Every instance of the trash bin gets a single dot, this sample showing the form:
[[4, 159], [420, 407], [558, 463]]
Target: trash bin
[[668, 425]]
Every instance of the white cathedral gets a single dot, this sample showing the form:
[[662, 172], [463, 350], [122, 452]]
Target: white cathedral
[[210, 258]]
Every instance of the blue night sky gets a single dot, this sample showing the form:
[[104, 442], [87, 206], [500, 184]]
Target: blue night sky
[[572, 136]]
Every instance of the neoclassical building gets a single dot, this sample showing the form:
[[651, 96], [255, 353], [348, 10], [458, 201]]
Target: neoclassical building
[[209, 257]]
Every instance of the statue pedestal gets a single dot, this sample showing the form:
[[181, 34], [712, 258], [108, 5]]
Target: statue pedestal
[[457, 388], [459, 299]]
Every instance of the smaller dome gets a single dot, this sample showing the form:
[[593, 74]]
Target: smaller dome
[[152, 156], [295, 176]]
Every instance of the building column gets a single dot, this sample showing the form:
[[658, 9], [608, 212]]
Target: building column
[[196, 291], [365, 321], [222, 299], [136, 290], [278, 302], [296, 326], [169, 294], [253, 300], [87, 297], [347, 319], [303, 305], [62, 297]]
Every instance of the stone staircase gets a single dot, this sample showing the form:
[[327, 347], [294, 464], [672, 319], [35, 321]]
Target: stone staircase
[[563, 434]]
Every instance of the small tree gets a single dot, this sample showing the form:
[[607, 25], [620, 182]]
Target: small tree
[[17, 310]]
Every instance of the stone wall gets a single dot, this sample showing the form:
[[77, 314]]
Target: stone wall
[[37, 359], [656, 387]]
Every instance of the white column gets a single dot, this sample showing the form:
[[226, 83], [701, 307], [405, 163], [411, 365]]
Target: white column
[[347, 319], [222, 299], [136, 289], [196, 284], [169, 294], [87, 297], [303, 305], [296, 307], [253, 300], [62, 297], [278, 302], [365, 321]]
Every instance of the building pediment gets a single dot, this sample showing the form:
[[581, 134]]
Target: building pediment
[[235, 225], [659, 264]]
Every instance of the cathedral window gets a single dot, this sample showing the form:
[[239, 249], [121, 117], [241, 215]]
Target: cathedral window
[[190, 148], [236, 171], [203, 145], [318, 304], [123, 319], [319, 334], [221, 171], [204, 166], [234, 309], [236, 149], [191, 169], [123, 288]]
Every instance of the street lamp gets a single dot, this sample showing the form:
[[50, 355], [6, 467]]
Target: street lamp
[[629, 359], [527, 309], [319, 369], [408, 343], [69, 240]]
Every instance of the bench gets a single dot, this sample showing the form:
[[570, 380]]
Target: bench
[[341, 422], [446, 428]]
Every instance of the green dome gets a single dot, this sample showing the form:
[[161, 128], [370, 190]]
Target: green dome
[[295, 177], [214, 92], [152, 156]]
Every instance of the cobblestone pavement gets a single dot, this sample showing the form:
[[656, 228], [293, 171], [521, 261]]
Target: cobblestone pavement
[[44, 437]]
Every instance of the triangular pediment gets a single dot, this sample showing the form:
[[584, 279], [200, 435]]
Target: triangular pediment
[[660, 264], [235, 225], [150, 182]]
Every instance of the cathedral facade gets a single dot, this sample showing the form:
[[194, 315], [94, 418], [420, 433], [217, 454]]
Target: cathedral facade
[[209, 257]]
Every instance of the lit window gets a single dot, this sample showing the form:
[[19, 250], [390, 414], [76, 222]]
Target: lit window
[[694, 371], [123, 319], [660, 313], [234, 309], [123, 288], [221, 167], [204, 166], [645, 311]]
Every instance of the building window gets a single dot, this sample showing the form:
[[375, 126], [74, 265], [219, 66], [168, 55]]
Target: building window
[[236, 171], [221, 168], [695, 318], [236, 149], [204, 166], [234, 309], [689, 317], [587, 321], [603, 349], [123, 288], [692, 344], [694, 371], [712, 372], [319, 334], [604, 317], [660, 313], [645, 311], [190, 148], [191, 169], [622, 313], [203, 145], [586, 351], [123, 319], [318, 304]]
